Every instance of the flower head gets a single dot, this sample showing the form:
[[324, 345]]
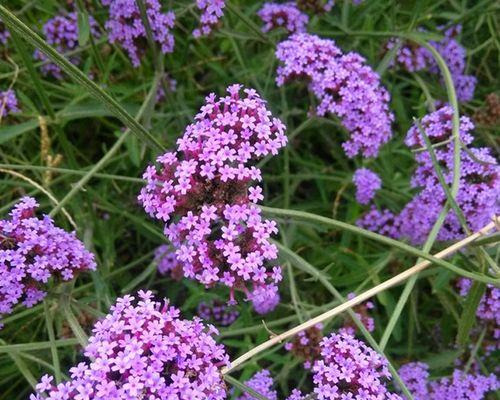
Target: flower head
[[367, 184], [8, 103], [306, 345], [61, 32], [32, 251], [286, 15], [217, 312], [4, 33], [143, 349], [211, 13], [126, 28], [262, 383]]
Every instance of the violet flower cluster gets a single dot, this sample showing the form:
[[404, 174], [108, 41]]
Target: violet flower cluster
[[285, 15], [262, 383], [306, 345], [478, 192], [348, 369], [362, 313], [489, 306], [344, 86], [8, 103], [203, 193], [61, 32], [144, 350], [166, 260], [459, 386], [217, 312], [32, 251], [413, 57], [126, 28], [4, 33], [367, 184], [211, 13]]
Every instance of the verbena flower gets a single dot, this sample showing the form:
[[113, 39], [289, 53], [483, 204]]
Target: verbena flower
[[381, 221], [204, 193], [459, 386], [367, 184], [145, 350], [362, 313], [4, 33], [286, 15], [211, 13], [344, 86], [348, 369], [297, 395], [265, 298], [167, 262], [32, 251], [61, 32], [478, 192], [217, 312], [262, 383], [413, 57], [126, 28], [306, 345], [8, 103]]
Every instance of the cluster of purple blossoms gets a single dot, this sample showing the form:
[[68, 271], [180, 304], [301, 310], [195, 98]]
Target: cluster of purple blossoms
[[126, 28], [217, 312], [32, 251], [362, 313], [211, 12], [344, 86], [286, 15], [459, 386], [203, 193], [367, 184], [61, 32], [489, 306], [262, 383], [413, 57], [4, 33], [478, 193], [144, 350], [8, 103], [265, 298], [306, 345], [167, 262]]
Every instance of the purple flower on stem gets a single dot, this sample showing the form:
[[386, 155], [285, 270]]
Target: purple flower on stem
[[204, 195], [4, 33], [262, 383], [32, 251], [61, 32], [167, 261], [367, 184], [344, 86], [306, 345], [143, 349], [211, 13], [286, 15], [8, 103], [217, 312], [126, 28]]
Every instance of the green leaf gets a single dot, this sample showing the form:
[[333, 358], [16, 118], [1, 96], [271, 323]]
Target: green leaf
[[83, 28], [468, 317]]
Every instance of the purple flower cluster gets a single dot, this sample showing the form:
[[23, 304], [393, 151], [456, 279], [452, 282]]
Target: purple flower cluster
[[383, 221], [348, 369], [126, 28], [166, 259], [262, 383], [286, 15], [478, 193], [61, 32], [367, 184], [413, 58], [8, 103], [489, 306], [217, 312], [306, 345], [344, 86], [32, 251], [145, 351], [362, 313], [211, 12], [265, 298], [203, 194], [459, 386], [4, 33]]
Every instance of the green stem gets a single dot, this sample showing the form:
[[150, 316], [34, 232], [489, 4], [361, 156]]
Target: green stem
[[247, 21], [244, 388], [15, 24], [52, 339], [302, 215]]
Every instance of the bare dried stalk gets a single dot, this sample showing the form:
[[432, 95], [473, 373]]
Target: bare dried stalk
[[362, 297]]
